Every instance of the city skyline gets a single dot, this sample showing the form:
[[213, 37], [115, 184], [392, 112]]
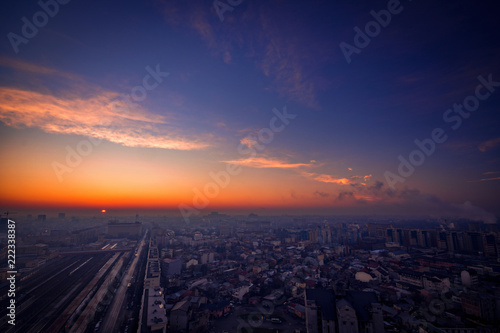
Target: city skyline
[[386, 108]]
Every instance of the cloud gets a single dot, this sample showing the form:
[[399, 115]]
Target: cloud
[[331, 179], [270, 36], [486, 179], [377, 198], [469, 211], [321, 194], [249, 141], [488, 145], [377, 186], [282, 63], [35, 69], [264, 162], [413, 201], [100, 116], [490, 179], [227, 57], [84, 109], [345, 195], [325, 178]]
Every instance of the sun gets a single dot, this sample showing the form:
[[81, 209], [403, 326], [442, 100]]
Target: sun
[[103, 211]]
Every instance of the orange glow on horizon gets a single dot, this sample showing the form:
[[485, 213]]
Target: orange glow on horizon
[[118, 177]]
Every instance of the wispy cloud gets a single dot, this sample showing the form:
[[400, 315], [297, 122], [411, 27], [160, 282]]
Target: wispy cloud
[[321, 194], [86, 109], [490, 179], [326, 178], [282, 63], [273, 42], [488, 145], [32, 68], [92, 116], [331, 179], [264, 162], [249, 141], [487, 179]]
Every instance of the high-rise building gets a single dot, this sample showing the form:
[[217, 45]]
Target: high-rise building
[[356, 311], [347, 319], [490, 245], [171, 266], [368, 312], [478, 305], [320, 311]]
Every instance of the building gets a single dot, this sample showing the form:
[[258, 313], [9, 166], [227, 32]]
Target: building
[[347, 319], [241, 291], [180, 316], [86, 235], [378, 230], [469, 278], [124, 230], [490, 245], [412, 277], [207, 257], [217, 309], [357, 311], [365, 276], [368, 312], [436, 284], [171, 266], [478, 305], [153, 273], [154, 318], [320, 311]]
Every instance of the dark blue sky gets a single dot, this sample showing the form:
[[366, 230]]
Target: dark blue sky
[[353, 119]]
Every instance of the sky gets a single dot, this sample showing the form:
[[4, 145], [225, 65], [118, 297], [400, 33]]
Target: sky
[[313, 107]]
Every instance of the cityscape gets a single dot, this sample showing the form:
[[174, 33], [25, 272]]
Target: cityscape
[[236, 166], [255, 274]]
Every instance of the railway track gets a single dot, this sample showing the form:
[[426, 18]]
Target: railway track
[[47, 300]]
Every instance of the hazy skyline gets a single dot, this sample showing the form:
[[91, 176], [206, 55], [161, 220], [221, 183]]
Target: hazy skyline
[[157, 104]]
